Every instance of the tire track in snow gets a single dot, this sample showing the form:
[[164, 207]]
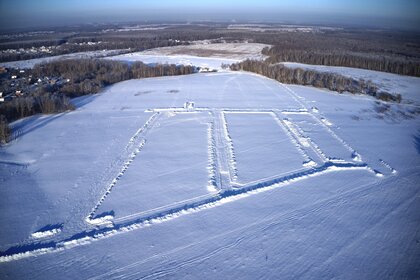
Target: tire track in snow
[[323, 122], [212, 158], [232, 166], [298, 140], [267, 223], [226, 196], [134, 146], [356, 157]]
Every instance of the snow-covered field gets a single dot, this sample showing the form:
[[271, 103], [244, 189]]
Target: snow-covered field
[[205, 62], [30, 63], [257, 180], [200, 54], [237, 51], [408, 87]]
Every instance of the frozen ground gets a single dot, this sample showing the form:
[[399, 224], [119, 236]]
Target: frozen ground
[[209, 62], [258, 180], [30, 63], [237, 51], [199, 54], [408, 87]]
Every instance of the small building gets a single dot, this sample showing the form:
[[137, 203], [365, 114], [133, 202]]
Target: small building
[[189, 106]]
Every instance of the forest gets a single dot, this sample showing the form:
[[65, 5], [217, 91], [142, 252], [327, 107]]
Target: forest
[[380, 50], [306, 77], [82, 76]]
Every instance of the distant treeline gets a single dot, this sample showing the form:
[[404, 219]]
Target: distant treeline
[[300, 76], [73, 46], [86, 76], [98, 41], [381, 50], [385, 64], [81, 77]]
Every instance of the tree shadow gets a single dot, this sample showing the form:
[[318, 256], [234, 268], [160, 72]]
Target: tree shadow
[[416, 140], [104, 214], [50, 227], [33, 123], [82, 101]]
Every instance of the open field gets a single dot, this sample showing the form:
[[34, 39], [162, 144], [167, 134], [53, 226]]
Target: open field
[[200, 54], [257, 179]]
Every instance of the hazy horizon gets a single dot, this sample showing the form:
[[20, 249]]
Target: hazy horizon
[[373, 13]]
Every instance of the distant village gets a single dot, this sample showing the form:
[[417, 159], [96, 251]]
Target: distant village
[[22, 82]]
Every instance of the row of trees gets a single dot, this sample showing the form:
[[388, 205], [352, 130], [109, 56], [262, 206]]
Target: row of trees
[[4, 130], [40, 102], [77, 41], [86, 76], [378, 63], [300, 76]]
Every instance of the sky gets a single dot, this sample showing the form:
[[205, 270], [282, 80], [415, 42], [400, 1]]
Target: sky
[[387, 13]]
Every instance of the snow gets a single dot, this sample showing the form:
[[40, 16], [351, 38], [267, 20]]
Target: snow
[[30, 63], [209, 62], [46, 233], [199, 54], [408, 87], [237, 51], [164, 172], [258, 138], [126, 177]]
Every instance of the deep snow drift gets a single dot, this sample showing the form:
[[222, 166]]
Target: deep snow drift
[[257, 180]]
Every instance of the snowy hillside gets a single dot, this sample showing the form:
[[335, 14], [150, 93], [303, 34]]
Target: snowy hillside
[[213, 176]]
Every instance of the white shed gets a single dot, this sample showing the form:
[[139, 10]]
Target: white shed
[[189, 105]]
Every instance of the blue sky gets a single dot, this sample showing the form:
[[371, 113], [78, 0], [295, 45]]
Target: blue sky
[[21, 12]]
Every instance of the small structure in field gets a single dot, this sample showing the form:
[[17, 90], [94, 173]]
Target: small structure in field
[[189, 106]]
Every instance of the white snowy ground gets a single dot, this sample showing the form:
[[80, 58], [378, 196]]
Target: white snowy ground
[[30, 63], [408, 87], [238, 51], [259, 181], [198, 54]]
